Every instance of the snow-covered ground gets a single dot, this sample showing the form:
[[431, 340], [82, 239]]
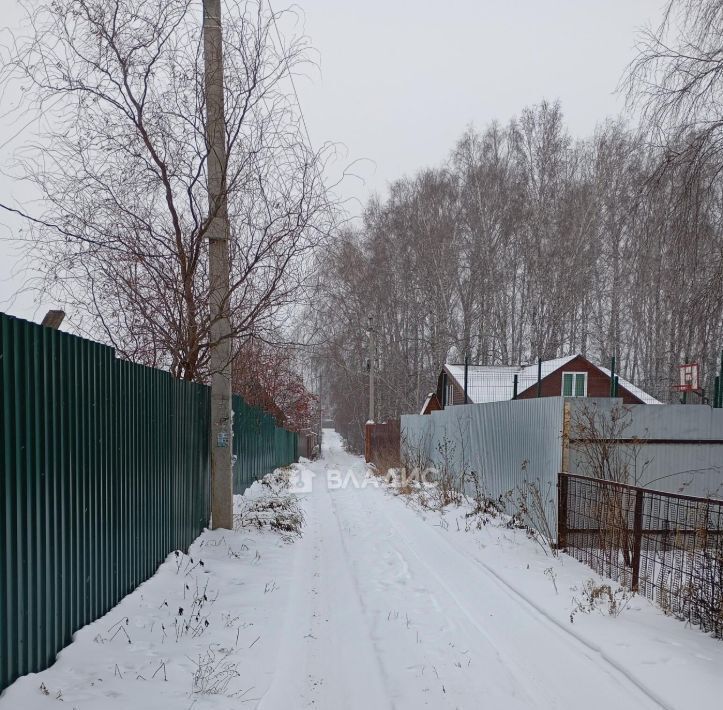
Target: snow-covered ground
[[378, 605]]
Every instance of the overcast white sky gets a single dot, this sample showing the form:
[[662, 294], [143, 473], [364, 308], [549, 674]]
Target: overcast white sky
[[399, 81]]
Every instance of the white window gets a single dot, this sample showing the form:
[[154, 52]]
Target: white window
[[449, 398], [574, 384]]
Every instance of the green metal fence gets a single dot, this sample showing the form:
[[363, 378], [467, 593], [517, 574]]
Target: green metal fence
[[104, 470], [258, 444]]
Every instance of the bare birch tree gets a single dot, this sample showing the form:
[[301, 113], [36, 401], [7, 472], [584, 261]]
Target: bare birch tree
[[677, 81], [527, 244], [122, 171]]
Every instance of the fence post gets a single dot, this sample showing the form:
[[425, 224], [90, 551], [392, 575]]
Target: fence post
[[566, 437], [466, 369], [368, 442], [637, 538], [562, 490]]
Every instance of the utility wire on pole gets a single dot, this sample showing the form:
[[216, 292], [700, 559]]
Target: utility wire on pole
[[372, 354], [219, 268]]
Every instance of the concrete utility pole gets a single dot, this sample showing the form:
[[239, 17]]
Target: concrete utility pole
[[218, 268], [372, 353]]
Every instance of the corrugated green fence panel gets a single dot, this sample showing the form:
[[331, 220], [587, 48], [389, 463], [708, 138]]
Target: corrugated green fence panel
[[103, 472], [258, 444]]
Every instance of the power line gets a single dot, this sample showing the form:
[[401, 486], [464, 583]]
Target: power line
[[303, 118], [291, 77]]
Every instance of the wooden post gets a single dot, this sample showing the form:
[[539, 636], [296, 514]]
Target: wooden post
[[566, 437], [372, 356], [53, 319], [321, 416], [368, 442], [637, 538], [514, 386], [562, 492]]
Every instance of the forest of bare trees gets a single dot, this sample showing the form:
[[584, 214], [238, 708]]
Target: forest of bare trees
[[523, 243], [526, 243]]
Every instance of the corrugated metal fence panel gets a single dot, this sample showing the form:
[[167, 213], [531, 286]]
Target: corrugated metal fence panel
[[505, 443], [103, 472], [690, 468], [305, 445], [667, 421], [521, 440], [382, 443], [258, 444]]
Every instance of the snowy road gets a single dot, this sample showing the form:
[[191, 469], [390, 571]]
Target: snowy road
[[378, 605], [387, 613]]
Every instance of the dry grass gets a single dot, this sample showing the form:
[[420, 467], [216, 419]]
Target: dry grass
[[530, 504], [599, 597]]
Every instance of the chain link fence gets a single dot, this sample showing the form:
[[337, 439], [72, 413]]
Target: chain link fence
[[666, 546]]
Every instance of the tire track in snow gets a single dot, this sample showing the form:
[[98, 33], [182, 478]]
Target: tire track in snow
[[532, 688], [326, 657], [577, 637], [376, 506], [364, 553], [537, 615]]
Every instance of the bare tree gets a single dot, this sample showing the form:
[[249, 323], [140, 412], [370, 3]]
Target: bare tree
[[526, 244], [122, 171], [268, 377], [677, 81]]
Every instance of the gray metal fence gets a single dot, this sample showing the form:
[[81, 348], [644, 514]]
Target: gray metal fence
[[505, 443], [672, 448]]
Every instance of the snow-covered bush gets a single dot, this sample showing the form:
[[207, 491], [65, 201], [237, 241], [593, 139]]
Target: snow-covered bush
[[269, 505]]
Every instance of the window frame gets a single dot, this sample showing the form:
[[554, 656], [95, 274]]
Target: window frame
[[575, 374]]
